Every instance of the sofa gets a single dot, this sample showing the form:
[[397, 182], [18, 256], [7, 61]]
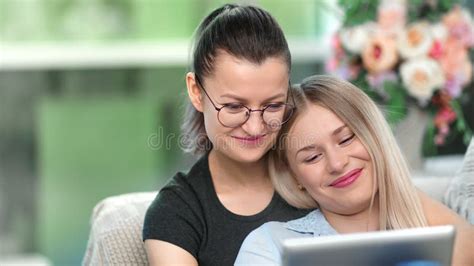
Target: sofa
[[116, 222]]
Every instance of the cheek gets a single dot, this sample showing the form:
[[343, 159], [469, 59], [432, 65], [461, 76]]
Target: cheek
[[216, 132], [211, 124], [361, 152], [309, 176], [272, 136], [371, 175], [363, 155]]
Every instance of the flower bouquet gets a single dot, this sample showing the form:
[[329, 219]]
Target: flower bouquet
[[404, 52]]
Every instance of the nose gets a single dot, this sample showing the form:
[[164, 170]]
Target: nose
[[255, 124], [336, 160]]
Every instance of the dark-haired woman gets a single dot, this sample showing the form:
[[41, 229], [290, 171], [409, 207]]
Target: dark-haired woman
[[239, 98]]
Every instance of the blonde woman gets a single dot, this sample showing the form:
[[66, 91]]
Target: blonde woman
[[338, 156]]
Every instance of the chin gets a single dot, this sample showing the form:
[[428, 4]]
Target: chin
[[248, 155], [356, 207], [243, 153]]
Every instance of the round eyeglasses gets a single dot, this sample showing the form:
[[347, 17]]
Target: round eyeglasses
[[233, 115]]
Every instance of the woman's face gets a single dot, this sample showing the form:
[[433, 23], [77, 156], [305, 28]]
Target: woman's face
[[239, 82], [330, 162]]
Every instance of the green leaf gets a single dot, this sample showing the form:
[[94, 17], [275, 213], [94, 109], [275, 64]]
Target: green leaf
[[429, 147], [432, 11], [396, 106], [358, 11], [467, 137], [461, 126]]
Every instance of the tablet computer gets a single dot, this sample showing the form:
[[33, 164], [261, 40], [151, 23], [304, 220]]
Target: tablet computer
[[416, 246]]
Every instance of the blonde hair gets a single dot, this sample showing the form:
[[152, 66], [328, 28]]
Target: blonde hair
[[400, 206]]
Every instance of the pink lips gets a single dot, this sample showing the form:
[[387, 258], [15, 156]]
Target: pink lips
[[347, 179], [250, 140]]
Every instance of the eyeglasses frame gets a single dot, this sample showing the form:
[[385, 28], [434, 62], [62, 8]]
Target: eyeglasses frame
[[293, 107]]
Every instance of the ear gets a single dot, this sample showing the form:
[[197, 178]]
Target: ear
[[194, 92]]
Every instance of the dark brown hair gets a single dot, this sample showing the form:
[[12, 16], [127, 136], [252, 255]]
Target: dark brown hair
[[246, 32]]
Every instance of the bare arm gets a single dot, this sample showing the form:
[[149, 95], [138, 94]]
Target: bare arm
[[162, 253], [438, 214]]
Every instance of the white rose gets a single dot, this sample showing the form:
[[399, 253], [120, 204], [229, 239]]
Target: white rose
[[439, 31], [422, 76], [355, 38], [415, 41]]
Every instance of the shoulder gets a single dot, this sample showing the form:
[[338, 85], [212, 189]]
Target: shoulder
[[182, 192], [270, 235], [197, 178], [174, 201], [198, 171], [275, 232], [267, 232], [186, 187], [181, 198], [262, 246], [314, 223], [175, 216], [437, 213]]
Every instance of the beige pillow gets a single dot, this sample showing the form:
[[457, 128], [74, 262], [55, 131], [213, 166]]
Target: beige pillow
[[460, 193], [116, 230]]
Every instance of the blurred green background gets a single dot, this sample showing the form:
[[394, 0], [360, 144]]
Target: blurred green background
[[72, 134]]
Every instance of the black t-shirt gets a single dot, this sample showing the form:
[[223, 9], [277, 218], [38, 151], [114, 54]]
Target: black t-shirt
[[188, 213]]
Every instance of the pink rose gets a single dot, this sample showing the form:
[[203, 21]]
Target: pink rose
[[444, 117], [455, 61], [459, 24], [436, 51], [380, 54]]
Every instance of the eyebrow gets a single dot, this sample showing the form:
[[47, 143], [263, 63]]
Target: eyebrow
[[312, 146], [227, 95]]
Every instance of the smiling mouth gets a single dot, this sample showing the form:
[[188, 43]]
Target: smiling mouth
[[347, 179], [254, 140]]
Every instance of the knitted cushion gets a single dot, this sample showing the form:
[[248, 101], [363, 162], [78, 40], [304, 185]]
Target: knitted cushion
[[460, 193], [116, 230]]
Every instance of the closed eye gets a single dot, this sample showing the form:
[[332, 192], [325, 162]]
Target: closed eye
[[274, 107], [233, 107], [313, 158], [348, 140]]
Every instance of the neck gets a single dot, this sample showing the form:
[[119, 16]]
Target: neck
[[228, 172], [363, 221]]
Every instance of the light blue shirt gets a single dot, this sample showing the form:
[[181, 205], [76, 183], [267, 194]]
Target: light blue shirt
[[263, 245]]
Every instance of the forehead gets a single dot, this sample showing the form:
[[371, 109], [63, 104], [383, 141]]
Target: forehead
[[246, 79], [314, 125]]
